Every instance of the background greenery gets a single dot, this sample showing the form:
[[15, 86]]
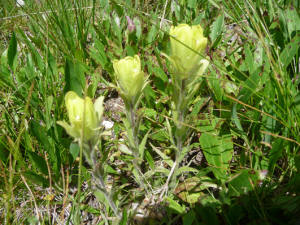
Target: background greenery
[[244, 164]]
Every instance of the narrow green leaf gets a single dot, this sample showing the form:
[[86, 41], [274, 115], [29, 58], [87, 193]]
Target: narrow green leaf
[[167, 159], [142, 145], [185, 169], [124, 217], [150, 159]]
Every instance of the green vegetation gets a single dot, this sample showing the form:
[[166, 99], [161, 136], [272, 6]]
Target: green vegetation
[[217, 145]]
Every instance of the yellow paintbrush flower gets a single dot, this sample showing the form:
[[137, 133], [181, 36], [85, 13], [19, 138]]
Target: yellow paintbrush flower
[[83, 116], [187, 45], [130, 76]]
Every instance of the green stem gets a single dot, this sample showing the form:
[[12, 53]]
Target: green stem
[[101, 186], [77, 211], [131, 116], [97, 174], [180, 111], [179, 120]]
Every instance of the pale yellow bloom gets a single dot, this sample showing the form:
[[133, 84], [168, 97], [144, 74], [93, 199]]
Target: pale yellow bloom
[[187, 45], [130, 76], [84, 116]]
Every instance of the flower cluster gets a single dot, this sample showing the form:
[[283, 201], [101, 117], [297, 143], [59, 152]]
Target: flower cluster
[[187, 46]]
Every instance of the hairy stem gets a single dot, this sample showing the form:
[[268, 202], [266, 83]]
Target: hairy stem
[[131, 116], [101, 185], [179, 136], [97, 174]]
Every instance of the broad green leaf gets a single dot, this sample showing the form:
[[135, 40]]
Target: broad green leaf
[[275, 153], [217, 28], [48, 106], [12, 51], [40, 133], [172, 204], [138, 28], [30, 68], [289, 52], [52, 65], [74, 77], [47, 143], [190, 190], [98, 53], [130, 50], [218, 152], [192, 4], [207, 210], [292, 19], [109, 169], [38, 162], [101, 198], [183, 153], [242, 182], [215, 84], [189, 218], [249, 59], [74, 150], [158, 72], [152, 34], [296, 103], [185, 169], [250, 86], [37, 179], [190, 197], [4, 153]]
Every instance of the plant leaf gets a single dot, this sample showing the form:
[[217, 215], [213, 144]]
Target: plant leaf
[[12, 51]]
